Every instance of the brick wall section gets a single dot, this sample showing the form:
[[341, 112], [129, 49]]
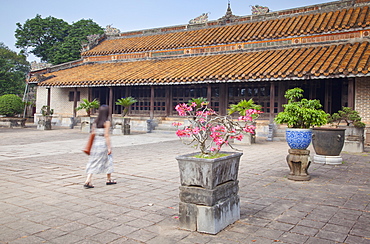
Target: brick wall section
[[362, 99], [59, 100]]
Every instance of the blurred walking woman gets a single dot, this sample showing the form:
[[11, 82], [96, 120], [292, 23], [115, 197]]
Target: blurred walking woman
[[100, 159]]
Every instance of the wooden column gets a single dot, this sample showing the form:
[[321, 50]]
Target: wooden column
[[110, 101], [168, 100], [351, 93], [328, 96], [209, 93], [223, 98], [48, 99], [151, 102], [272, 101], [75, 103]]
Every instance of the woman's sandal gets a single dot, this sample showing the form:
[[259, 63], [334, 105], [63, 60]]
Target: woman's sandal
[[88, 185], [111, 182]]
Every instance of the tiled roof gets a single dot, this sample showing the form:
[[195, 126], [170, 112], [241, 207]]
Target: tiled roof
[[337, 60], [295, 25]]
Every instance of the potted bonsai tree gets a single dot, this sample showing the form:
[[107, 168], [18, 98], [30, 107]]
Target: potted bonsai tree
[[350, 120], [300, 115], [125, 102], [86, 121]]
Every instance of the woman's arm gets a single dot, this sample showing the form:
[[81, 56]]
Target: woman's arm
[[106, 135]]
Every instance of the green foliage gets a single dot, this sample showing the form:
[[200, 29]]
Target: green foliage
[[47, 111], [10, 105], [200, 101], [125, 103], [54, 40], [242, 106], [95, 104], [13, 70], [348, 115], [70, 48], [300, 112]]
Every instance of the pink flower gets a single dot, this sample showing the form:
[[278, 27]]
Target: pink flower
[[239, 137], [184, 133], [196, 130], [250, 128], [176, 124]]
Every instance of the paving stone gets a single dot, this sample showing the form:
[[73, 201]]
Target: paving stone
[[337, 228], [105, 237], [303, 230], [68, 238], [28, 240], [332, 236], [289, 237], [142, 235]]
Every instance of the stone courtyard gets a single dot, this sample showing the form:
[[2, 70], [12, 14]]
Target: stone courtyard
[[42, 199]]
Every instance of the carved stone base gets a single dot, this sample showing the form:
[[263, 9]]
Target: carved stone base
[[299, 161]]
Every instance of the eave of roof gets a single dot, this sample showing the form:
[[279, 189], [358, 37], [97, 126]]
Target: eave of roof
[[305, 62]]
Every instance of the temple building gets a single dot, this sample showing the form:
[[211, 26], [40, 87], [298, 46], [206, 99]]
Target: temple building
[[324, 49]]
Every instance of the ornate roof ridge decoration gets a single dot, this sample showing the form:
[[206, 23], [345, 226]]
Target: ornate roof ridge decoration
[[199, 20], [228, 17], [92, 41], [37, 66], [258, 10], [111, 31]]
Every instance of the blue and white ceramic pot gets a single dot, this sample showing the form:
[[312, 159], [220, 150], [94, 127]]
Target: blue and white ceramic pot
[[298, 138]]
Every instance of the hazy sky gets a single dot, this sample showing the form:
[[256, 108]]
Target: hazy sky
[[127, 15]]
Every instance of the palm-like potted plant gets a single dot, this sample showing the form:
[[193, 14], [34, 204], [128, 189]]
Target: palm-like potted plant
[[241, 109], [88, 106], [126, 102], [300, 115]]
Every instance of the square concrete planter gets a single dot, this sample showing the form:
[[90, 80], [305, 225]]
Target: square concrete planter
[[208, 173], [209, 188], [354, 139]]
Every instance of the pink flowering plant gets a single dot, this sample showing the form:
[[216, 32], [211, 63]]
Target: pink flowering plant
[[208, 131]]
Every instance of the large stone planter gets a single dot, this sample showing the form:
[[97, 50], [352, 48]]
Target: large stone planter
[[354, 139], [209, 198], [86, 124], [44, 123], [298, 138], [121, 126], [328, 143]]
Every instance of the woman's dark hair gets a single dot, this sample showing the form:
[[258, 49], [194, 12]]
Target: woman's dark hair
[[102, 117]]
